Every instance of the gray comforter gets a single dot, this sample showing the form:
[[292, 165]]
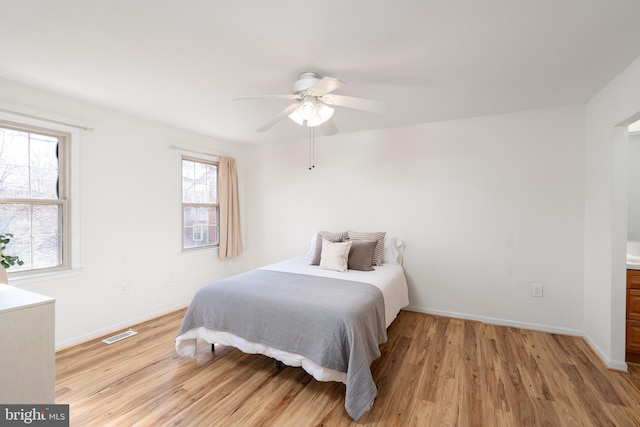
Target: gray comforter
[[338, 324]]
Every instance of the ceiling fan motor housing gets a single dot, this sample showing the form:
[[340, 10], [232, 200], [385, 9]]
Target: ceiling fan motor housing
[[305, 81]]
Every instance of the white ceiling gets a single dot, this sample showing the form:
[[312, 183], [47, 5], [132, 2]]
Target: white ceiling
[[183, 62]]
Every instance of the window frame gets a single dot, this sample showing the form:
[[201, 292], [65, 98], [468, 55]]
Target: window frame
[[204, 159], [68, 193]]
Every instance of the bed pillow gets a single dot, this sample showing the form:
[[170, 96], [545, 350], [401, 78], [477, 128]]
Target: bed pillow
[[361, 254], [332, 237], [312, 246], [393, 251], [377, 235], [335, 255]]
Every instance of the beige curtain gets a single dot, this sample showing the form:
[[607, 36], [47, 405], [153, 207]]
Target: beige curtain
[[230, 233]]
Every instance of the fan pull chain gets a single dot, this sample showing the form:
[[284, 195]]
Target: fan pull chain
[[312, 148]]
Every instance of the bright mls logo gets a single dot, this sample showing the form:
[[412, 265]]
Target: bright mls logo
[[36, 415]]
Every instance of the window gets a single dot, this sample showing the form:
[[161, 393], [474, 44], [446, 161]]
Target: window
[[200, 213], [34, 202]]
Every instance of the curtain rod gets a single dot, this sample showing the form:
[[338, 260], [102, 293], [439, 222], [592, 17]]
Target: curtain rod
[[188, 150], [85, 128]]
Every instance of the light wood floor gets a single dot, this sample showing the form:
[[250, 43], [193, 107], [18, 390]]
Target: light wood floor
[[433, 371]]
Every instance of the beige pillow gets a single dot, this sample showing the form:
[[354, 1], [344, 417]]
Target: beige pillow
[[335, 255], [376, 235], [332, 237], [361, 254]]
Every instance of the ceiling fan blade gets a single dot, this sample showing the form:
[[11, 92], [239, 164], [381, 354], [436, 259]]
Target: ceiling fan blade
[[244, 98], [281, 115], [356, 103], [328, 128], [325, 85]]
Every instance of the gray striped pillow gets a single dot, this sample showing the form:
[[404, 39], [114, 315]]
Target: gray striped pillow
[[332, 237], [374, 235]]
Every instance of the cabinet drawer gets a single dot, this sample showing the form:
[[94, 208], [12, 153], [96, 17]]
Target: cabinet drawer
[[633, 336], [633, 279], [633, 304]]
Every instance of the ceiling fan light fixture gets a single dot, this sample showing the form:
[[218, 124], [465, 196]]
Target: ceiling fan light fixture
[[311, 112], [296, 116], [324, 113], [308, 107]]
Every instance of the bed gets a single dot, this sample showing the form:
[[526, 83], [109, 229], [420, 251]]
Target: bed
[[328, 321]]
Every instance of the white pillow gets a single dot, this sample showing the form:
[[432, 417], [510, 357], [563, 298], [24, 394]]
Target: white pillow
[[312, 246], [393, 251], [335, 255]]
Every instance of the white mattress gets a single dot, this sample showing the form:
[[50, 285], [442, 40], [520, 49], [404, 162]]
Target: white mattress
[[389, 278]]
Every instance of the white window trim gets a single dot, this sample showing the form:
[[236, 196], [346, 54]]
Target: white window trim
[[73, 171], [194, 155]]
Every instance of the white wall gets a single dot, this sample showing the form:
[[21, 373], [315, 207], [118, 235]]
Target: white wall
[[633, 182], [607, 115], [129, 219], [485, 205]]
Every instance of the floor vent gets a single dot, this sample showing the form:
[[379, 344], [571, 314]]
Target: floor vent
[[120, 336]]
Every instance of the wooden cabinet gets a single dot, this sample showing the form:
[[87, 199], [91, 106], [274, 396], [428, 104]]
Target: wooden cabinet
[[27, 347], [633, 316], [633, 304]]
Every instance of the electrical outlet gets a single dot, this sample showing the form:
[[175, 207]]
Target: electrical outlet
[[536, 290], [124, 287]]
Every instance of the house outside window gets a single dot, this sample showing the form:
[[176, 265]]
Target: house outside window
[[34, 196], [200, 213]]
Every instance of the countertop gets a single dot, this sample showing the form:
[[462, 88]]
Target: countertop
[[633, 266], [12, 298]]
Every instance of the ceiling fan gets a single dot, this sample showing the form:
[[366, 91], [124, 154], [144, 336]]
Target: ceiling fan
[[313, 96]]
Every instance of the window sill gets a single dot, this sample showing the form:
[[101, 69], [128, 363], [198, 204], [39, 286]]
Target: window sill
[[198, 251], [30, 278]]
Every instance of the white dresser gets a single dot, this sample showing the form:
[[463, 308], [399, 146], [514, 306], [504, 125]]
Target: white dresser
[[27, 347]]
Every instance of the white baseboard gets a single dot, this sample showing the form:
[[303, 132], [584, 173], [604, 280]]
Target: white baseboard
[[611, 364], [498, 321], [118, 326]]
